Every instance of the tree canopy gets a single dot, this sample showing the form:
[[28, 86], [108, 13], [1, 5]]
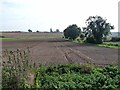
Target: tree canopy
[[51, 30], [57, 30], [96, 29], [29, 30], [72, 32]]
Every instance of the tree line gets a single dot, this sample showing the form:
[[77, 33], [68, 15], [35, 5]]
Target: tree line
[[57, 30], [96, 30]]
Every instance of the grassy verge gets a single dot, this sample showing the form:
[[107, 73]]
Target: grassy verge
[[114, 45], [8, 39]]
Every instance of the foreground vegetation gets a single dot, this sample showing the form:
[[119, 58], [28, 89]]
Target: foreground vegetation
[[78, 77], [19, 72]]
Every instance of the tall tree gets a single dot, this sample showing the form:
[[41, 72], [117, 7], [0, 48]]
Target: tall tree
[[96, 29]]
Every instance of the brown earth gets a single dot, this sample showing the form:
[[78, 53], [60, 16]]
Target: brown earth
[[59, 51]]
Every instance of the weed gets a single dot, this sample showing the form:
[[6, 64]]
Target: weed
[[16, 67]]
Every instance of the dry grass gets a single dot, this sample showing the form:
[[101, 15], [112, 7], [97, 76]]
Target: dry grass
[[16, 67]]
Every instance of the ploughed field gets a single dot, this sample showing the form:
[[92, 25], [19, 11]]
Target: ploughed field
[[51, 48]]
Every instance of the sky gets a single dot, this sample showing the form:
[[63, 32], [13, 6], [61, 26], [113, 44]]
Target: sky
[[41, 15]]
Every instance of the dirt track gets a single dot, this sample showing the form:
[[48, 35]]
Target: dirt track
[[58, 51]]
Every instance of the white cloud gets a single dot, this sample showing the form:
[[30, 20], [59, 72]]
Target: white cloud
[[45, 14]]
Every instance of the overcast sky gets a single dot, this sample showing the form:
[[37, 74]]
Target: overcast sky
[[56, 14]]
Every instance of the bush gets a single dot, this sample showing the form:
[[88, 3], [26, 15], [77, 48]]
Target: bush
[[90, 40], [2, 36], [115, 39]]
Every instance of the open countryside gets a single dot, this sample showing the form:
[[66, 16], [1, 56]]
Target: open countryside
[[59, 45], [46, 60], [80, 59]]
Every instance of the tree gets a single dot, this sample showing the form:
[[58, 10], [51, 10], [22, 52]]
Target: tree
[[29, 30], [96, 29], [37, 31], [51, 30], [72, 32], [57, 30]]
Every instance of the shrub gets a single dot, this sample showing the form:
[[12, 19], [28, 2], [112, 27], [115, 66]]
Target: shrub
[[90, 40], [115, 39], [2, 36]]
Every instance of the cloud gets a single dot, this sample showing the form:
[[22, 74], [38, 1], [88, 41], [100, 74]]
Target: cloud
[[54, 13], [12, 3]]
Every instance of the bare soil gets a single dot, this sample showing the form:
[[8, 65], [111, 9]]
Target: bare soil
[[59, 51]]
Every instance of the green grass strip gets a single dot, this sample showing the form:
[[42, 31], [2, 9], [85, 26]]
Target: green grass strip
[[107, 46], [7, 38]]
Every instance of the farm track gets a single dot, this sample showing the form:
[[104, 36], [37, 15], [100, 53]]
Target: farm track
[[75, 56]]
